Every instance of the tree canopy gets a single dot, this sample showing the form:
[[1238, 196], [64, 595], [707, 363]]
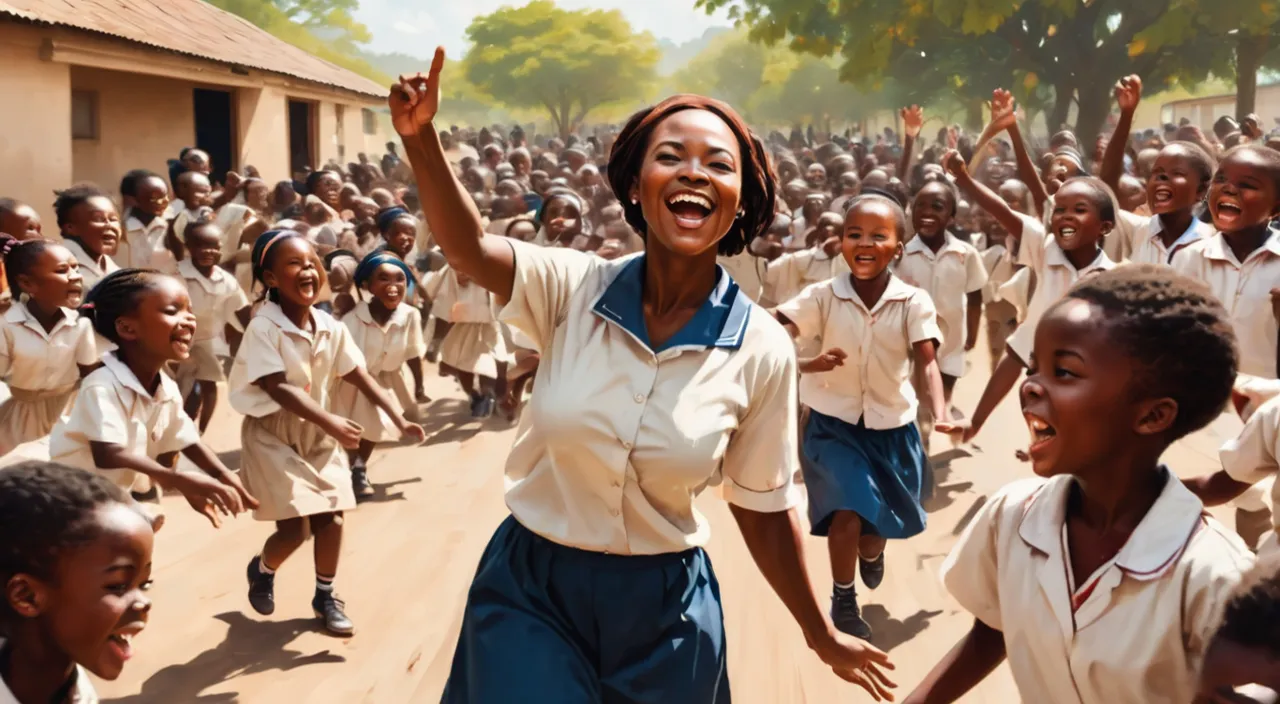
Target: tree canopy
[[568, 62]]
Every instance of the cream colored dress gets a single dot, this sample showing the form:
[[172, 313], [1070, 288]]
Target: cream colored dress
[[386, 348], [292, 466], [475, 343], [214, 300], [41, 370]]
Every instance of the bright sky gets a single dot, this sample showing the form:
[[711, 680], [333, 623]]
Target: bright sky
[[417, 26]]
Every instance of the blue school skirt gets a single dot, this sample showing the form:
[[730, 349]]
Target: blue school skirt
[[877, 474], [548, 623]]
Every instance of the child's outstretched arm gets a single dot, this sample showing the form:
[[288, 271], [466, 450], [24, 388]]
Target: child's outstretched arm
[[300, 403], [976, 655], [204, 458], [912, 122], [983, 196], [360, 378], [1002, 381], [925, 353], [203, 493], [1128, 95]]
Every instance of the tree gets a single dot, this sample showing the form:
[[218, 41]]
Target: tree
[[732, 68], [567, 62], [968, 47]]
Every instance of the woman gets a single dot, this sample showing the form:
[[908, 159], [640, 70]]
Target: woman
[[656, 380]]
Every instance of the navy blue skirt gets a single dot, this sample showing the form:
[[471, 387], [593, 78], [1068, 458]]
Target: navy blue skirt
[[549, 623], [877, 474]]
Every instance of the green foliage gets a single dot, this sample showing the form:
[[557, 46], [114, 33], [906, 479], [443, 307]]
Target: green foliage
[[566, 61]]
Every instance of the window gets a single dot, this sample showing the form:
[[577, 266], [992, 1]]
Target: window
[[84, 114], [370, 121]]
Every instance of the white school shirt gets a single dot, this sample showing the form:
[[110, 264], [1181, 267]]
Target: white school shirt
[[34, 360], [140, 241], [874, 384], [618, 439], [113, 407], [1252, 456], [948, 276], [91, 270], [748, 271], [1134, 632], [82, 692], [386, 348], [787, 275], [1139, 238], [455, 303], [1001, 265], [1245, 289], [215, 299], [1055, 275], [311, 360]]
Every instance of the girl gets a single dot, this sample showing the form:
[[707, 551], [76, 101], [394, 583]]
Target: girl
[[864, 459], [1179, 179], [90, 229], [562, 220], [399, 231], [221, 310], [144, 221], [472, 343], [127, 418], [75, 571], [19, 220], [1083, 214], [388, 330], [292, 442], [1102, 579], [45, 347]]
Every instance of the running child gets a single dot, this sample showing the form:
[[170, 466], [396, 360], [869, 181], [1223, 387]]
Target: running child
[[864, 461], [292, 443], [75, 569], [46, 348], [388, 331], [1102, 579], [127, 419], [90, 228], [222, 311], [472, 348]]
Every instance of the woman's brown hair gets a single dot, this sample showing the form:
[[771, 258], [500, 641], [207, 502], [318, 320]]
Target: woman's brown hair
[[758, 192]]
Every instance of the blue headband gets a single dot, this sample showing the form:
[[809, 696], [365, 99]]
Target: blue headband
[[373, 260], [390, 215]]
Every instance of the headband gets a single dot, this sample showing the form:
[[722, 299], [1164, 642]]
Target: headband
[[1071, 156], [373, 260], [269, 239], [390, 215], [566, 195]]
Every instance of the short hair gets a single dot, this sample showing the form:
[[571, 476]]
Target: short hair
[[19, 255], [758, 194], [946, 186], [1103, 198], [899, 215], [313, 179], [46, 509], [1200, 159], [69, 199], [1251, 617], [116, 296], [1269, 157], [1176, 330], [129, 184]]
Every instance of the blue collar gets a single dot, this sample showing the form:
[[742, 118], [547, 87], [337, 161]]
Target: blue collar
[[720, 322]]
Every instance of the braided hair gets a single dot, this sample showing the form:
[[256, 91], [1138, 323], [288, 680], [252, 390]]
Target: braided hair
[[19, 256], [116, 296]]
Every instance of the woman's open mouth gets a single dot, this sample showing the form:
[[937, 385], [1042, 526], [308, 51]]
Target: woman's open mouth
[[691, 210]]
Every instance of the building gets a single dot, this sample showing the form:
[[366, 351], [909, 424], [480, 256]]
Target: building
[[93, 88], [1204, 111]]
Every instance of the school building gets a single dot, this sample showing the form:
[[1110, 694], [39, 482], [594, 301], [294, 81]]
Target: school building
[[92, 88], [1204, 111]]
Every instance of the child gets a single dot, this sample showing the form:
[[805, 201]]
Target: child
[[144, 222], [127, 418], [1241, 663], [951, 272], [1101, 580], [45, 346], [1083, 213], [399, 231], [76, 568], [389, 332], [19, 220], [864, 459], [292, 442], [1179, 179], [90, 229], [221, 310], [472, 343]]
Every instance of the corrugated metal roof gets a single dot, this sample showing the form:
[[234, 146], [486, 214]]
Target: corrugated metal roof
[[191, 27]]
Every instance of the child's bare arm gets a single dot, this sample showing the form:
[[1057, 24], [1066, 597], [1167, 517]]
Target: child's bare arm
[[912, 122], [983, 196], [1128, 95], [1217, 488], [979, 653]]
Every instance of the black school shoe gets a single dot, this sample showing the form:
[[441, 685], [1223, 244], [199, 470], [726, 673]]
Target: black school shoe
[[262, 588], [846, 615], [871, 571], [329, 609], [360, 482]]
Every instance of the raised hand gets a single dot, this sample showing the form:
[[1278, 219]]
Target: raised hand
[[954, 163], [1129, 93], [415, 100], [1002, 104], [912, 120]]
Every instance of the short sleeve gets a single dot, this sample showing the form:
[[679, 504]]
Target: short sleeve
[[347, 355], [415, 345], [806, 311], [922, 320], [975, 274], [1031, 247], [232, 302], [1251, 456], [260, 350], [762, 458], [86, 344], [1215, 571], [1031, 226], [545, 280], [971, 572], [180, 431], [6, 349], [97, 416]]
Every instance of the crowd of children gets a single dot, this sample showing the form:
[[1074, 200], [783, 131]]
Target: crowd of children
[[318, 303]]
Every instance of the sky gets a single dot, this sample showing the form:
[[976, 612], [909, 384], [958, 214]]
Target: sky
[[415, 27]]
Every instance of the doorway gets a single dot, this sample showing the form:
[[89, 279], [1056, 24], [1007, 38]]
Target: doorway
[[301, 135], [215, 129]]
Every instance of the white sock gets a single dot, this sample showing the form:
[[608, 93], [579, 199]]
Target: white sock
[[262, 567], [844, 587]]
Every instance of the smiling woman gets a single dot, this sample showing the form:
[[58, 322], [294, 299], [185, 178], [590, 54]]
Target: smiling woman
[[658, 378]]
